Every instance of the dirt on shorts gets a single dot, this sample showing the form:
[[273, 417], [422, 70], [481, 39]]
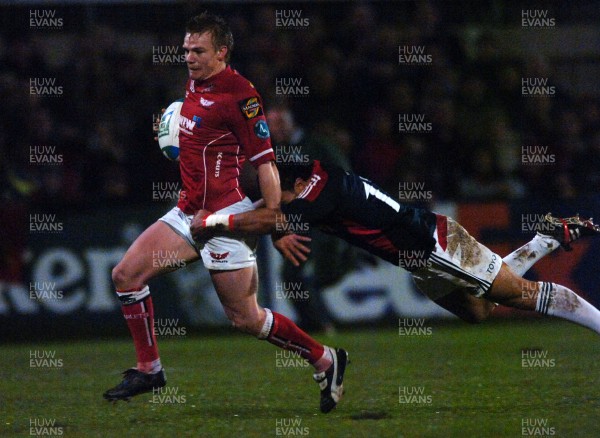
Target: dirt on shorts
[[459, 238]]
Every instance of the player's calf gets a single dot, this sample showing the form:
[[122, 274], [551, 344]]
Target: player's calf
[[467, 307], [543, 297], [329, 363]]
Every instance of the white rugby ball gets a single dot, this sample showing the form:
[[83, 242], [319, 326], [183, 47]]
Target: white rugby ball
[[168, 131]]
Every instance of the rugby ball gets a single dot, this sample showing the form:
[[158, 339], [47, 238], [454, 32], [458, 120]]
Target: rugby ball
[[168, 131]]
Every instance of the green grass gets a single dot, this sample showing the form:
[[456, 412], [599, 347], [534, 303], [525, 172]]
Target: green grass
[[233, 388]]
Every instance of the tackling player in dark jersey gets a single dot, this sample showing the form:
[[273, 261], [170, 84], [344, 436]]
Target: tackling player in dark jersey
[[447, 264]]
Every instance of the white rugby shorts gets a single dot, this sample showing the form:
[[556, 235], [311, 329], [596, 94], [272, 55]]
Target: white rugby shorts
[[218, 253], [457, 262]]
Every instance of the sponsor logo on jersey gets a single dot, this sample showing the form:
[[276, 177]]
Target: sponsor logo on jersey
[[206, 102], [262, 130], [250, 107], [186, 125], [219, 258], [198, 120], [218, 164]]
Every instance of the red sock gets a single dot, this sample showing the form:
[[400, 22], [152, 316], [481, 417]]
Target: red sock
[[140, 320], [287, 335]]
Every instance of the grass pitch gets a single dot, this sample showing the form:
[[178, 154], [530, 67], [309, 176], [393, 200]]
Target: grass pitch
[[499, 379]]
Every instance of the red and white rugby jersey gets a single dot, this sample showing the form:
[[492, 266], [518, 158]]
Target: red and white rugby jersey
[[221, 124]]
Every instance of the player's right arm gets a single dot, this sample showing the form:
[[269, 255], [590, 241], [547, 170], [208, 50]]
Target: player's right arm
[[259, 221], [268, 181]]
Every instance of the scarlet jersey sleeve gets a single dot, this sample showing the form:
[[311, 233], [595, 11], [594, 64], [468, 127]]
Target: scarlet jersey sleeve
[[246, 119]]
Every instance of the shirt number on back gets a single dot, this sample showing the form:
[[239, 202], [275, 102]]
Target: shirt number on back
[[372, 191]]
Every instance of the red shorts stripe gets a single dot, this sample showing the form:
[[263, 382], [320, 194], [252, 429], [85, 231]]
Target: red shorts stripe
[[442, 230]]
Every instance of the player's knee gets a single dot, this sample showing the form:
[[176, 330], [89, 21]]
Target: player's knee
[[122, 279], [478, 314], [118, 276]]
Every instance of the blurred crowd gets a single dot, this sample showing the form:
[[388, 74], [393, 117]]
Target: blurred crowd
[[352, 91]]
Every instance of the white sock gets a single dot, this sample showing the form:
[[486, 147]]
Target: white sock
[[325, 362], [522, 259], [155, 366], [556, 300], [266, 328]]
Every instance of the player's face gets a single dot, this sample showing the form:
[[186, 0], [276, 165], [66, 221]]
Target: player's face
[[202, 60], [288, 196]]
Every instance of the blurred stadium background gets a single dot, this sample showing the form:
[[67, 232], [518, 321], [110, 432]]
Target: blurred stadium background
[[81, 177]]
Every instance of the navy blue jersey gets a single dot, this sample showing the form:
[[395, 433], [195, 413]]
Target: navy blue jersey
[[355, 209]]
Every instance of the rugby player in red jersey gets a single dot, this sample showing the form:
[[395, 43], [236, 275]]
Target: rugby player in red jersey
[[447, 264], [222, 124]]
